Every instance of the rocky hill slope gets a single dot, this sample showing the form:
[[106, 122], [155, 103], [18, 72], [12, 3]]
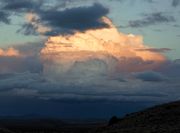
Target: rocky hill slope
[[159, 119]]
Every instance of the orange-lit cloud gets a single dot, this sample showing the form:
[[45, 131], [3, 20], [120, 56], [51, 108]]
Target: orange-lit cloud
[[32, 19], [9, 52], [117, 50]]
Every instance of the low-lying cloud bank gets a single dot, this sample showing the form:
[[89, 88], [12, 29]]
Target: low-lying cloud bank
[[88, 80], [143, 86]]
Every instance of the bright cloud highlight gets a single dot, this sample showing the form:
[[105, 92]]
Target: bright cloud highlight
[[9, 52], [99, 51]]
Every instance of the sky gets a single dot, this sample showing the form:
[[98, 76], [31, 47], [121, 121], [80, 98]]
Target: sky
[[64, 57]]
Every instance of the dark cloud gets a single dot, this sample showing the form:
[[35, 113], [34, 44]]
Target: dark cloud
[[175, 3], [20, 64], [21, 80], [151, 19], [90, 89], [171, 68], [176, 26], [4, 17], [117, 0], [9, 8], [137, 64], [70, 20], [150, 76], [149, 1], [27, 29], [132, 2], [35, 85], [158, 50], [23, 5], [27, 61], [31, 48]]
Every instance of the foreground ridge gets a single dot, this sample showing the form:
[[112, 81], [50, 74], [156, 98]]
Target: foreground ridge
[[158, 119]]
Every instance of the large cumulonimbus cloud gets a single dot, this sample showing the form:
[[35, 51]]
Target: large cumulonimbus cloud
[[95, 63], [101, 50], [91, 72], [105, 64]]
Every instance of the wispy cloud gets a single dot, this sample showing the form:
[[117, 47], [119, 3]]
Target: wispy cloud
[[20, 6], [151, 19], [4, 17], [175, 3], [159, 50], [150, 76]]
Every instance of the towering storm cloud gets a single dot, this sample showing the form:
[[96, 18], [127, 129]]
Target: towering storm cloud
[[97, 52], [85, 57]]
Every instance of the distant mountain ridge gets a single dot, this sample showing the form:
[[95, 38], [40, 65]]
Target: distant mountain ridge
[[158, 119]]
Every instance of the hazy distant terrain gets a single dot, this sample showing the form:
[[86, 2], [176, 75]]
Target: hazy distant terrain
[[158, 119], [46, 126]]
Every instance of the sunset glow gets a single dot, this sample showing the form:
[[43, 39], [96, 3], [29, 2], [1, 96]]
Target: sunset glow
[[9, 52], [107, 44], [87, 58]]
